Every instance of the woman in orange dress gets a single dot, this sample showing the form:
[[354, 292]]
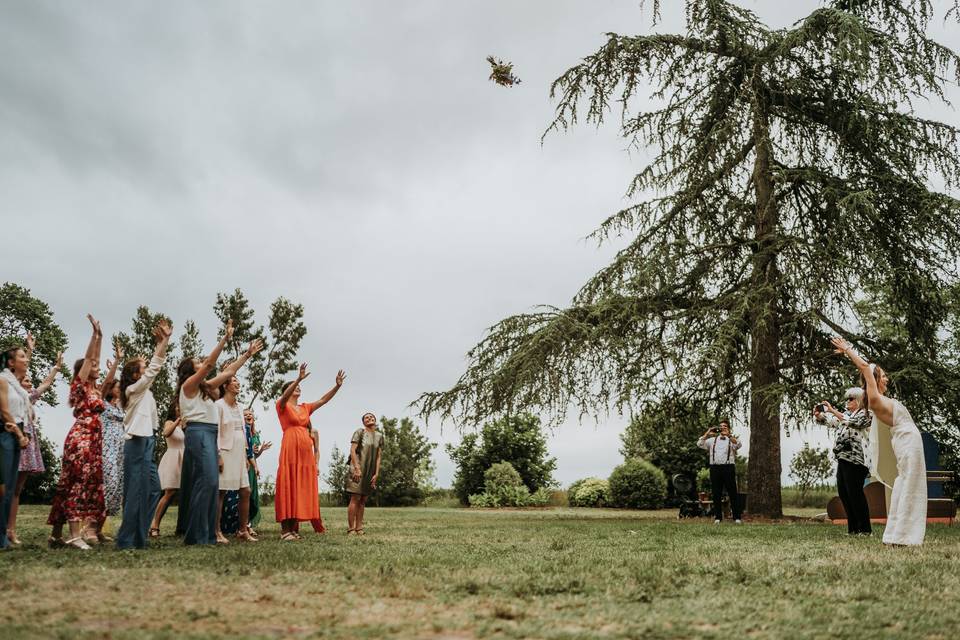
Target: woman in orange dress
[[297, 495]]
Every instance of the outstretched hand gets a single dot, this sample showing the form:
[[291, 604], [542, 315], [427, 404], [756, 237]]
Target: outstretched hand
[[163, 330], [59, 363], [840, 345], [303, 374], [228, 330], [95, 324], [118, 352], [255, 347], [31, 343], [341, 376]]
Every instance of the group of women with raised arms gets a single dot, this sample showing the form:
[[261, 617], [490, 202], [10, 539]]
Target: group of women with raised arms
[[210, 459]]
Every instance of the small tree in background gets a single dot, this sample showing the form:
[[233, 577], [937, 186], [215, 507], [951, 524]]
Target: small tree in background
[[515, 439], [666, 436], [265, 372], [191, 346], [406, 465], [22, 313], [810, 467], [337, 474]]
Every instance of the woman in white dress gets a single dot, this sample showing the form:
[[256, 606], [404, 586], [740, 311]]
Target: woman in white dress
[[907, 514]]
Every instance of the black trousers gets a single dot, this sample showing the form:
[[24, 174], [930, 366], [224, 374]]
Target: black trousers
[[724, 477], [850, 479]]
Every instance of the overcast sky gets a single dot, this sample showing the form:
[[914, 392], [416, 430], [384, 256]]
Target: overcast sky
[[349, 156]]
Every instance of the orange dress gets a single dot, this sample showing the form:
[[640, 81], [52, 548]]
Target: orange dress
[[297, 496]]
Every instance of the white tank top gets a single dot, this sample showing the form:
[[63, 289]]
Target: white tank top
[[198, 409]]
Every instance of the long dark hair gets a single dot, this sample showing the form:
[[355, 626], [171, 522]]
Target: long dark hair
[[126, 378], [186, 369], [77, 366], [173, 409]]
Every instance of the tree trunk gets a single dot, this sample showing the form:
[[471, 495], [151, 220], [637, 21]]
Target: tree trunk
[[763, 473]]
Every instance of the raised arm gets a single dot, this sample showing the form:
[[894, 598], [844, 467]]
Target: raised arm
[[161, 333], [302, 375], [51, 377], [192, 384], [31, 343], [880, 405], [92, 355], [231, 369], [341, 376], [111, 369]]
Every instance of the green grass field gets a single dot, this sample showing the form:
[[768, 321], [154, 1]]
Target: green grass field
[[456, 573]]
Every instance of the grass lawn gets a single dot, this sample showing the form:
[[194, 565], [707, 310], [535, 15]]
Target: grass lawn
[[454, 573]]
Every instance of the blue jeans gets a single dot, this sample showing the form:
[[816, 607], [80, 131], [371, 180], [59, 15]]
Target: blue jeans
[[10, 467], [141, 491], [199, 484]]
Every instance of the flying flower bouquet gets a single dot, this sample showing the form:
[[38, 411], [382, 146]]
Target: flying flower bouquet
[[502, 72]]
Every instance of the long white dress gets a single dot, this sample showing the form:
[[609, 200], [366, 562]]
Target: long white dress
[[907, 514]]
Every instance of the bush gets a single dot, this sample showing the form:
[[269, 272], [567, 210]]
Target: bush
[[267, 488], [503, 487], [637, 484], [703, 481], [518, 440], [500, 476], [589, 492], [572, 491]]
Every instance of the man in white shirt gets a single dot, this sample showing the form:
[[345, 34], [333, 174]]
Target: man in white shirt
[[723, 468]]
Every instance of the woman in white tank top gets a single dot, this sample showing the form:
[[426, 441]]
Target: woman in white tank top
[[200, 473], [907, 515]]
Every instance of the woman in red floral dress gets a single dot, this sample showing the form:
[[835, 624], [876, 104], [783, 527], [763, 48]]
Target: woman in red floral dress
[[79, 496]]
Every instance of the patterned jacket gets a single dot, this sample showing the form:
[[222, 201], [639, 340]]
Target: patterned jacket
[[852, 438]]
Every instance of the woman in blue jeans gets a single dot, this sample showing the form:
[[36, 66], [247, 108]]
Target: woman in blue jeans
[[200, 475]]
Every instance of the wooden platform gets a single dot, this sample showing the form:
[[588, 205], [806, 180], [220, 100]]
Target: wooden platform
[[939, 510]]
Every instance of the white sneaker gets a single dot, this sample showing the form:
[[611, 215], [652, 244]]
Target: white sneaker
[[716, 522], [78, 543], [738, 521]]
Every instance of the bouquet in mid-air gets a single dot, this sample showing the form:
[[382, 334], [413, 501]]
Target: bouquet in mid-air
[[502, 72]]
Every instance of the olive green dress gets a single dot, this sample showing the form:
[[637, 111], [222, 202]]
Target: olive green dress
[[370, 444]]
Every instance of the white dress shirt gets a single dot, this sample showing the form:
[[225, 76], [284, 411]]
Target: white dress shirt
[[141, 417], [722, 449]]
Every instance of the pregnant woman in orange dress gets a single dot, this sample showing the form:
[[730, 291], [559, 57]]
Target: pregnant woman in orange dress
[[298, 497]]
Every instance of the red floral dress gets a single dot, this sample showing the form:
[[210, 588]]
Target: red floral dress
[[79, 494]]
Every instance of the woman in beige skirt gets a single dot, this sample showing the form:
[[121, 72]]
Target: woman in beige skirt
[[170, 463]]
